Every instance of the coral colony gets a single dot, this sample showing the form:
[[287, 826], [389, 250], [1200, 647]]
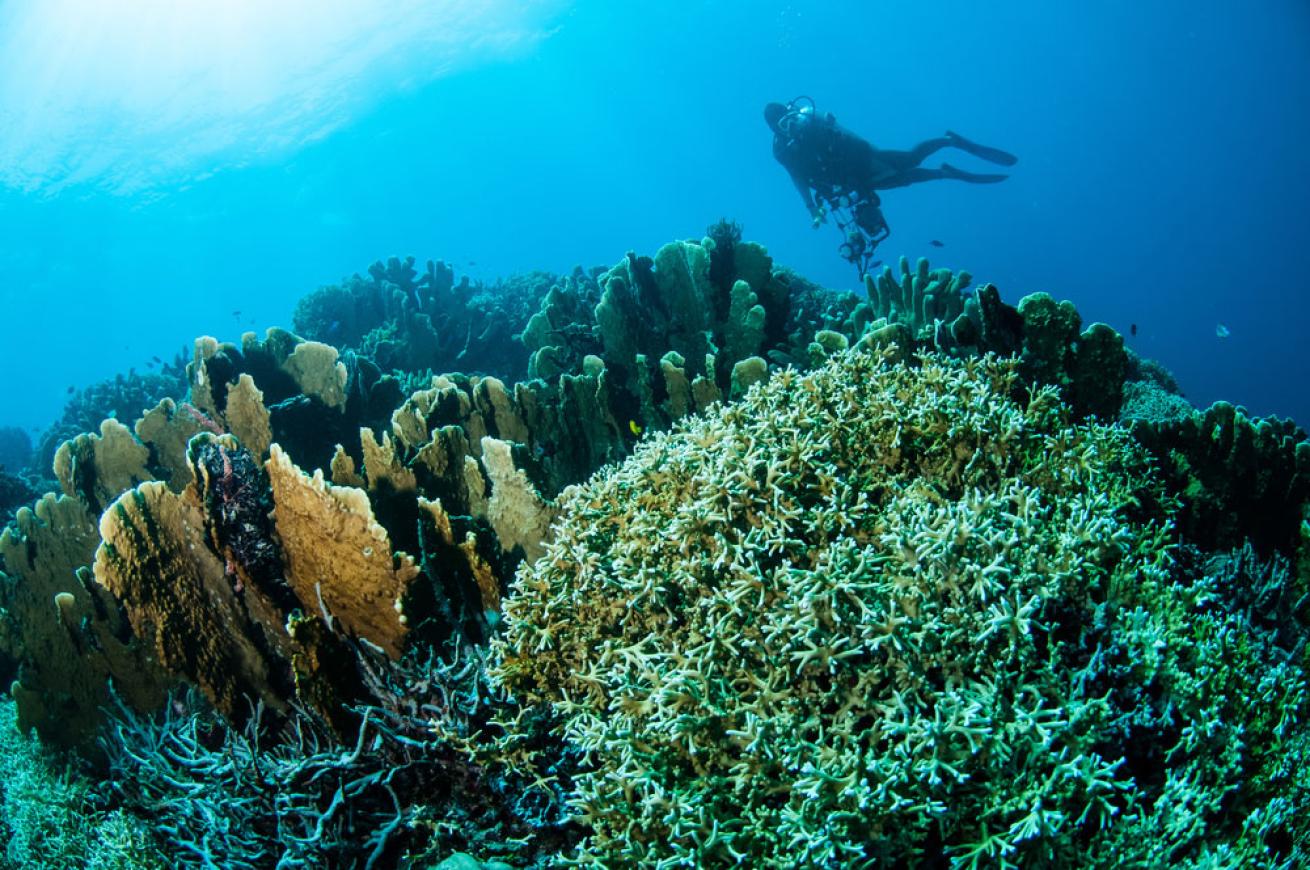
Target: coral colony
[[683, 563]]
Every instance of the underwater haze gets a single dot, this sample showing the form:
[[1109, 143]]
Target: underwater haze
[[165, 166]]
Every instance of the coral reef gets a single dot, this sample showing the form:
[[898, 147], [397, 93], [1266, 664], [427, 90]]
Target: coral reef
[[923, 300], [922, 604], [403, 320], [15, 491], [15, 449], [253, 797], [885, 614], [64, 634], [51, 817], [1240, 478], [1151, 394], [123, 398]]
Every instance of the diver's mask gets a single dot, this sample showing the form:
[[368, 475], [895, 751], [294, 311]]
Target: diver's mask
[[799, 111]]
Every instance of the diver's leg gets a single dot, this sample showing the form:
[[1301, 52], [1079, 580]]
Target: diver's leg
[[904, 161], [985, 152], [921, 173], [909, 176], [949, 171]]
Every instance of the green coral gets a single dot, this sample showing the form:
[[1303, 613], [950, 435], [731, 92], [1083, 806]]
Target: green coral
[[48, 817], [406, 320], [1239, 477], [921, 299], [884, 613]]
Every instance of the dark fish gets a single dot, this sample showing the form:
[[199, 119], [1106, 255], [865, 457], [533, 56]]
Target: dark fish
[[1132, 329], [151, 364], [936, 244], [473, 262], [236, 312], [156, 359], [71, 390]]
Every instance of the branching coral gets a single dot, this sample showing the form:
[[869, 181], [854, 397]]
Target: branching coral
[[49, 815], [866, 617], [405, 792]]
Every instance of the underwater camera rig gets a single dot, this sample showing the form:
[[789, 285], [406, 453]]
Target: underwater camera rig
[[863, 228]]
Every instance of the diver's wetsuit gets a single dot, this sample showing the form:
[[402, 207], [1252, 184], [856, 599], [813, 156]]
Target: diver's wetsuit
[[827, 161]]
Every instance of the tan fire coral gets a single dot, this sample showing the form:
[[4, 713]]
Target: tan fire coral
[[517, 512], [338, 555], [155, 558], [96, 468], [65, 631]]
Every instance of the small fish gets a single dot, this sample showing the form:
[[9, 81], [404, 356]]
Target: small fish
[[236, 312], [473, 262], [156, 359], [1132, 329], [71, 390], [936, 244], [332, 330], [1221, 331], [634, 428], [151, 364]]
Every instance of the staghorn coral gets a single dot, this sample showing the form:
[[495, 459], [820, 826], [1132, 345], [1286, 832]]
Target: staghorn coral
[[869, 617], [407, 791], [51, 816]]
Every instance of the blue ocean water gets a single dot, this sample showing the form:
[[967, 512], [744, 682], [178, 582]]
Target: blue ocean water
[[172, 170]]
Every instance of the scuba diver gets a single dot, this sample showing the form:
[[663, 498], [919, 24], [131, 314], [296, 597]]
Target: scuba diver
[[838, 172]]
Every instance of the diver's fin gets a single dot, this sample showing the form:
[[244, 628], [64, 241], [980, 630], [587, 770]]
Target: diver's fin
[[972, 177], [984, 152]]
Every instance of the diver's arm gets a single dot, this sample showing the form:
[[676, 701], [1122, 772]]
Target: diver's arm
[[803, 188]]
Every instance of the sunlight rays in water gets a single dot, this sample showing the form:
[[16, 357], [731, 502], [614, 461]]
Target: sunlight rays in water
[[131, 95]]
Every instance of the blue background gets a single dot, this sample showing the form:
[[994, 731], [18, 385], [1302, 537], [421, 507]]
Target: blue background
[[1163, 179]]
